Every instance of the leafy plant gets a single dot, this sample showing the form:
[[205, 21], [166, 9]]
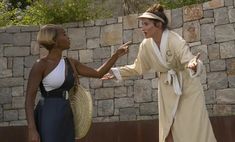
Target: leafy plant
[[35, 12], [172, 4], [22, 4], [7, 14], [58, 11], [139, 6], [54, 12], [135, 6]]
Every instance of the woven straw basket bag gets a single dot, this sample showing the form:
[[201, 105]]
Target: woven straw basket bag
[[81, 104]]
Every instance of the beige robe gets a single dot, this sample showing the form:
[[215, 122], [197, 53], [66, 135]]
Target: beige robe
[[181, 99]]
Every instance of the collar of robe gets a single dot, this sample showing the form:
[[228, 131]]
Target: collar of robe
[[172, 78]]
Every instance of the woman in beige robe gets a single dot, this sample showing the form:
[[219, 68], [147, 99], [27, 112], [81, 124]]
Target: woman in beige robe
[[182, 111]]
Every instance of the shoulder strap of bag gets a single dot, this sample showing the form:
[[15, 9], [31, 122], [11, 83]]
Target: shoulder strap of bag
[[74, 70]]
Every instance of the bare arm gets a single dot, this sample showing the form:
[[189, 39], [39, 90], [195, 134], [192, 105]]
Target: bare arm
[[34, 79], [103, 69]]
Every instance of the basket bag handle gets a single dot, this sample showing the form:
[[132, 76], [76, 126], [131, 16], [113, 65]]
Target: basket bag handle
[[75, 73]]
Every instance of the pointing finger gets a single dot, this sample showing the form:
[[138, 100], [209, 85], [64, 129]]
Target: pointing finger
[[127, 43], [198, 55]]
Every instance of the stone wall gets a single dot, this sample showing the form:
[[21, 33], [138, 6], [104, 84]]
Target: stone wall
[[209, 28]]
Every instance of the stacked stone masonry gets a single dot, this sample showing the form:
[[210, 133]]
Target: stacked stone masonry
[[209, 28]]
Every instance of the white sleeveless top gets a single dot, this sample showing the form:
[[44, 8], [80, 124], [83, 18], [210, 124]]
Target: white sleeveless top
[[55, 78]]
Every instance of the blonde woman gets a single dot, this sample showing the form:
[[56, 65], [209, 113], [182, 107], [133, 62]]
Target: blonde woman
[[52, 120], [182, 112]]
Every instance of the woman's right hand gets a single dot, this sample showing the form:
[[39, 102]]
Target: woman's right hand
[[123, 49], [193, 63], [33, 135]]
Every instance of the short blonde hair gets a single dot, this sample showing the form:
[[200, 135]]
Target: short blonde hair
[[47, 34]]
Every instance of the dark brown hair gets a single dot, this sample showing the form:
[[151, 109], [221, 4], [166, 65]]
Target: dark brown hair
[[158, 10]]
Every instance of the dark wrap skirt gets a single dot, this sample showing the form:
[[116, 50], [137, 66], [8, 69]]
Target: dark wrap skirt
[[53, 114], [54, 120]]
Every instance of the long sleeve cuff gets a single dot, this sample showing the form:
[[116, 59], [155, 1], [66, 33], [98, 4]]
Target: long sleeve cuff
[[116, 73], [199, 70]]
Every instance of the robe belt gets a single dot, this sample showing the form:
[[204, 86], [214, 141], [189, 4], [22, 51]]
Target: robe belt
[[172, 78]]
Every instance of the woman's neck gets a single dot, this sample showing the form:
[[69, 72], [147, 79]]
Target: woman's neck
[[55, 54], [157, 38]]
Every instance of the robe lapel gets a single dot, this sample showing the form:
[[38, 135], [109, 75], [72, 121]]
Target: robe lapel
[[161, 54]]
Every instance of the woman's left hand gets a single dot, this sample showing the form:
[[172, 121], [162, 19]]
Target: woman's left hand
[[194, 62], [123, 49], [108, 76]]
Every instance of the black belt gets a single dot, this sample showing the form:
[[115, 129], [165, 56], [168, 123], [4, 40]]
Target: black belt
[[57, 94]]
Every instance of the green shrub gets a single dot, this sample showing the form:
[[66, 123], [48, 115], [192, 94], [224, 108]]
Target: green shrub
[[172, 4], [54, 12], [6, 15], [63, 11], [59, 11], [22, 4], [139, 6]]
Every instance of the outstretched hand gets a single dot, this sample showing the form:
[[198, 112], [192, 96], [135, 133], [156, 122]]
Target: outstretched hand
[[194, 62], [108, 76], [123, 49]]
